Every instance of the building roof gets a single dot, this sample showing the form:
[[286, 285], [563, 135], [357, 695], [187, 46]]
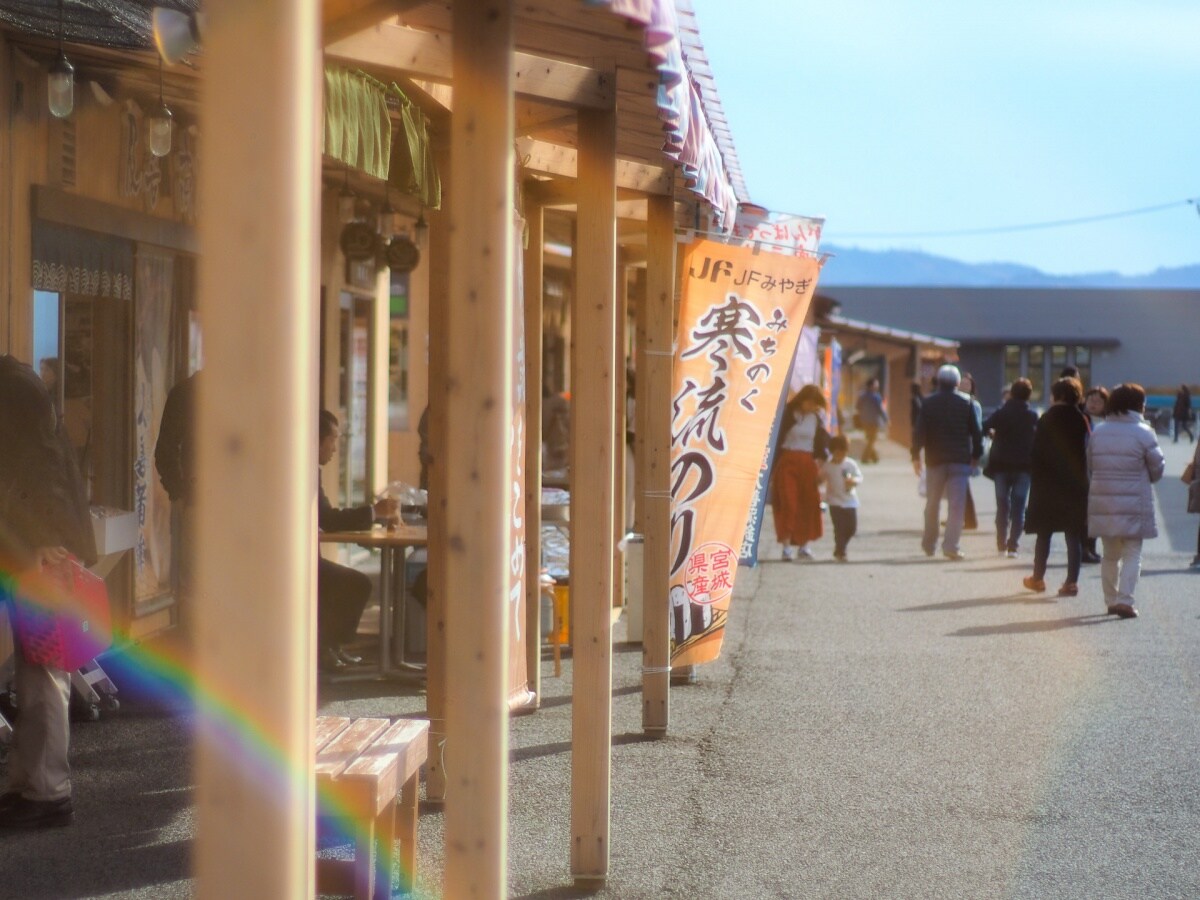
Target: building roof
[[1026, 315], [119, 24]]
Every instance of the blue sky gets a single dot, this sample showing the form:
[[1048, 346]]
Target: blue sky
[[941, 115]]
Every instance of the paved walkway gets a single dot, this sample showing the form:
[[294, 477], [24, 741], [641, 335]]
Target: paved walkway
[[890, 727]]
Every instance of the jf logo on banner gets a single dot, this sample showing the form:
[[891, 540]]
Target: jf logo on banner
[[739, 320]]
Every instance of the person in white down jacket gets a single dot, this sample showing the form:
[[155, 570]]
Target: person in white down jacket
[[1123, 460]]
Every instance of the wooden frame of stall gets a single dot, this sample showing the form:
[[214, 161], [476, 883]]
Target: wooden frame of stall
[[601, 147]]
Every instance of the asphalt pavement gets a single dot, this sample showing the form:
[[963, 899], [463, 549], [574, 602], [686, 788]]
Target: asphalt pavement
[[894, 726]]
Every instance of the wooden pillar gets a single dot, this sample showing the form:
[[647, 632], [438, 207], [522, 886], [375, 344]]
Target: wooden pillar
[[593, 401], [654, 386], [256, 457], [535, 222], [479, 419], [638, 299], [437, 554], [619, 512]]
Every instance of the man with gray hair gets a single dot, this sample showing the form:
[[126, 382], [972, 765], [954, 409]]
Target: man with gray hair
[[948, 431]]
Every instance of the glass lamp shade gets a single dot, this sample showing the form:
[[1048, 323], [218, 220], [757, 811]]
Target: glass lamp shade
[[60, 87], [159, 127], [389, 222]]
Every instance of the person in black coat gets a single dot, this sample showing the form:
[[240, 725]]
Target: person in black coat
[[43, 518], [1012, 428], [342, 592], [1059, 486], [1182, 413]]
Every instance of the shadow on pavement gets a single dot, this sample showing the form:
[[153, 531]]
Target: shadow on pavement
[[548, 702], [1006, 599], [1034, 627], [1180, 571], [566, 892], [538, 750]]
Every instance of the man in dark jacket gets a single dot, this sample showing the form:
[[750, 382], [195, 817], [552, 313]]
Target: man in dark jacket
[[342, 592], [43, 517], [1012, 427], [175, 460], [949, 432]]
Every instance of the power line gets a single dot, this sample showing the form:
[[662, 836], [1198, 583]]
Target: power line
[[1000, 229]]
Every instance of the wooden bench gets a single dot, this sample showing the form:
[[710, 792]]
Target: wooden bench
[[362, 764]]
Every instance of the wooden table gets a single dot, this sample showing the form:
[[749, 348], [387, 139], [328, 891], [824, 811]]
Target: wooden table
[[391, 543]]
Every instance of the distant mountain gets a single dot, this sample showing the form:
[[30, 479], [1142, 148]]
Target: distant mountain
[[855, 266]]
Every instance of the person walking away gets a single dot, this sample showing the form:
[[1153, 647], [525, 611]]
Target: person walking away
[[175, 460], [43, 517], [342, 592], [1123, 461], [967, 386], [795, 497], [1058, 490], [1182, 413], [1095, 407], [1192, 480], [871, 416], [842, 476], [950, 434], [1012, 427], [916, 397]]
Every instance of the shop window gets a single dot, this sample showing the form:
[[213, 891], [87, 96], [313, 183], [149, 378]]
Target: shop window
[[1083, 362], [1035, 371], [1012, 364], [1058, 359]]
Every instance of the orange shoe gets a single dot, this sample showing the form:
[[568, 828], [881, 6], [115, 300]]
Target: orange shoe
[[1069, 589], [1034, 584]]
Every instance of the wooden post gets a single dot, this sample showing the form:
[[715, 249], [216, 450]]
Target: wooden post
[[621, 299], [535, 221], [437, 553], [638, 298], [479, 419], [593, 401], [654, 385], [256, 457]]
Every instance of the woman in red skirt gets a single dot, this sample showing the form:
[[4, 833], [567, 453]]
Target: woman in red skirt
[[795, 500]]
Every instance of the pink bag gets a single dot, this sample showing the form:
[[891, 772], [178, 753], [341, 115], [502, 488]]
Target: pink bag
[[61, 615]]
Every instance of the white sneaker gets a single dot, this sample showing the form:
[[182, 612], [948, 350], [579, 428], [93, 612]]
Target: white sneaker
[[803, 553], [789, 554], [1011, 554]]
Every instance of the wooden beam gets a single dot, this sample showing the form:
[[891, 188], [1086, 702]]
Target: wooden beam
[[342, 18], [654, 387], [256, 458], [52, 204], [479, 416], [425, 54], [593, 330], [534, 219], [546, 158], [620, 453]]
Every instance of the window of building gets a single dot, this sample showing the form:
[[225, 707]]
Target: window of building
[[1012, 364], [1035, 371], [1083, 362], [1058, 360]]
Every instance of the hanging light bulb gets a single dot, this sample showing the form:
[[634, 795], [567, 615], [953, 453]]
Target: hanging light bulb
[[60, 84], [161, 122], [346, 201]]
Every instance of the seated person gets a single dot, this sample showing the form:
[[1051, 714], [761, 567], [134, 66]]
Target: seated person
[[342, 592]]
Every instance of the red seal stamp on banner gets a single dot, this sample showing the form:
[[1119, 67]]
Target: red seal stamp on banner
[[710, 571]]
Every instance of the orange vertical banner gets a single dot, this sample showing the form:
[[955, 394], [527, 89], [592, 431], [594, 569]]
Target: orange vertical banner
[[739, 322]]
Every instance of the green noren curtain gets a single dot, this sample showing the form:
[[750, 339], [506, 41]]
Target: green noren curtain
[[358, 129], [358, 132]]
